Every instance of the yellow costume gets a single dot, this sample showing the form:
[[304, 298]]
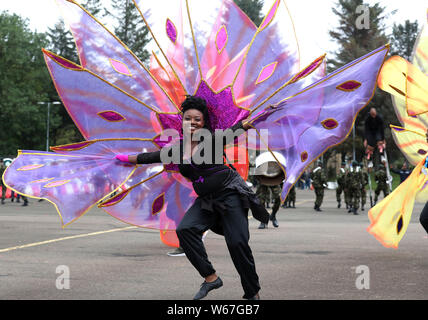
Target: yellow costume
[[408, 85]]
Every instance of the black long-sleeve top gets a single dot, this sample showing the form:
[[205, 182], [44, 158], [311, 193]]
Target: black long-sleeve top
[[206, 177], [373, 126], [403, 173]]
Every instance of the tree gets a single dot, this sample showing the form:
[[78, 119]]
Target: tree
[[403, 39], [130, 27], [24, 81], [357, 37], [362, 30], [62, 42], [94, 7], [252, 8]]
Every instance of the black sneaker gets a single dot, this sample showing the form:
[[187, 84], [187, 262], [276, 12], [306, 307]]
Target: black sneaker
[[274, 221], [263, 225], [179, 252], [207, 287]]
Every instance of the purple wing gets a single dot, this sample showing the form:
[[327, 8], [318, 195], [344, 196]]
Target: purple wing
[[76, 176], [98, 108], [320, 116], [105, 55], [159, 200]]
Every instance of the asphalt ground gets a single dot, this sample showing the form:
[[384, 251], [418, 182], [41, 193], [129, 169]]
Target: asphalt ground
[[311, 256]]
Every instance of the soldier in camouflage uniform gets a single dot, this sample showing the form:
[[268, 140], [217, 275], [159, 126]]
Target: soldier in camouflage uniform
[[346, 190], [381, 180], [354, 186], [3, 187], [264, 192], [340, 185], [276, 195], [291, 198], [319, 181], [364, 182]]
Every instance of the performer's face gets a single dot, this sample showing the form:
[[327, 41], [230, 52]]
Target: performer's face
[[193, 120], [373, 113]]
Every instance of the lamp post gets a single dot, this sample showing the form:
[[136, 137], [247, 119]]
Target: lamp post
[[353, 143], [48, 120]]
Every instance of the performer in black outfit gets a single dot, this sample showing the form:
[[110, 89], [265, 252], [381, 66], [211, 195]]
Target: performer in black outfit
[[374, 129], [222, 204]]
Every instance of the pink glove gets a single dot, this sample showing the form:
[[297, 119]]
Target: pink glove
[[122, 157]]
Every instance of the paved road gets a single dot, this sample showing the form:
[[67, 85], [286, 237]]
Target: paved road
[[310, 256]]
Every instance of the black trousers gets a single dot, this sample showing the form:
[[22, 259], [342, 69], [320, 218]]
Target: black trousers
[[423, 219], [373, 137], [234, 220]]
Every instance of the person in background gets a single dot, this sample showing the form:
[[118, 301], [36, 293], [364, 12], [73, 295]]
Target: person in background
[[364, 182], [374, 134], [291, 198], [354, 184], [264, 193], [404, 172], [319, 181], [340, 184], [3, 187], [381, 180]]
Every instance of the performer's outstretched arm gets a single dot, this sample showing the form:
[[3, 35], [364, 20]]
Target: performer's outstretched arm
[[155, 157], [141, 158]]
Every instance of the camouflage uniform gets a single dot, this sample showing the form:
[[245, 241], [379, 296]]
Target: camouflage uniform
[[291, 198], [263, 192], [364, 182], [354, 187], [276, 196], [318, 181], [340, 186], [381, 180], [3, 187]]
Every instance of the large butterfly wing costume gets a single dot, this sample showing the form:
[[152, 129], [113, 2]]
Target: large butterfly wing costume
[[210, 49], [407, 83]]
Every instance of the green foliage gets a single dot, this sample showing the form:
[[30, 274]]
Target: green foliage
[[130, 27], [354, 42], [403, 39], [24, 81], [62, 42], [94, 7], [252, 8]]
